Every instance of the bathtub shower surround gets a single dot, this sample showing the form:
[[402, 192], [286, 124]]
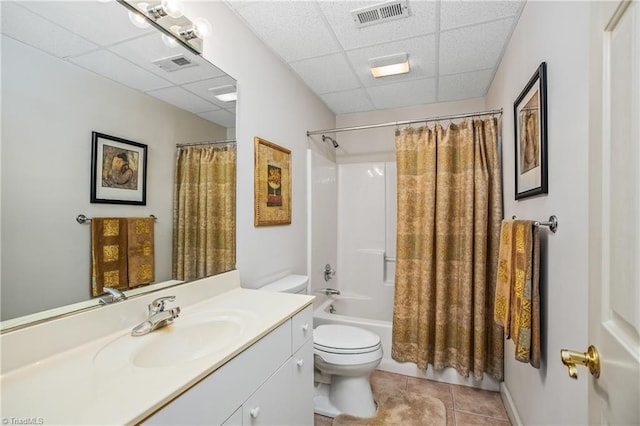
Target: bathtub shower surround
[[449, 213]]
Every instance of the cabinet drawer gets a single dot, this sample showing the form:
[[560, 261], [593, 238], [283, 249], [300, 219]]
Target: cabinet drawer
[[301, 328]]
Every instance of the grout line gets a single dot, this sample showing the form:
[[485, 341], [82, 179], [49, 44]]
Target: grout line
[[483, 415]]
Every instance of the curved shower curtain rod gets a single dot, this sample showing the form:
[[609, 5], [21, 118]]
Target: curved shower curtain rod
[[405, 123]]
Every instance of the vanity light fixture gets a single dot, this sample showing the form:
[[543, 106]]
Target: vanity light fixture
[[167, 16], [199, 29], [171, 8], [226, 93], [384, 66]]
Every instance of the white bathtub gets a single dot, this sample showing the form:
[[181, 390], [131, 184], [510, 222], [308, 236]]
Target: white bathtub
[[359, 312]]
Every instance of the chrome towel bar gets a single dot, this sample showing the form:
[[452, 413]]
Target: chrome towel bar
[[552, 223], [82, 219]]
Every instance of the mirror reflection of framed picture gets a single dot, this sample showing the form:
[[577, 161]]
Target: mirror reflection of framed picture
[[272, 184], [118, 170], [530, 123]]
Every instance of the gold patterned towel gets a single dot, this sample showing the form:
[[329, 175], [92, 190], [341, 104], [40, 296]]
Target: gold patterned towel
[[504, 281], [517, 299], [140, 261], [108, 254]]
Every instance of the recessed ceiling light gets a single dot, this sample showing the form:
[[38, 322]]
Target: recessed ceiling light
[[389, 65], [226, 93]]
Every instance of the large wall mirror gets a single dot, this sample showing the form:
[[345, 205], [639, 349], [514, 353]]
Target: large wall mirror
[[70, 69]]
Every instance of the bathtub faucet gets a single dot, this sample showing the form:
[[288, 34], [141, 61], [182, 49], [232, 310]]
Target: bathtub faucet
[[330, 291], [328, 272]]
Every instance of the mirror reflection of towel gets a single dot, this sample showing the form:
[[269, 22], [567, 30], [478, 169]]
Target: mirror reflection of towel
[[108, 254], [122, 252], [517, 299], [140, 251]]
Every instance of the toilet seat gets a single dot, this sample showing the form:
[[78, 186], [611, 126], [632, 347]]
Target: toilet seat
[[346, 345], [345, 339]]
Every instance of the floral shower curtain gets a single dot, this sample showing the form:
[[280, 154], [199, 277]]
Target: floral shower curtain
[[204, 219], [449, 215]]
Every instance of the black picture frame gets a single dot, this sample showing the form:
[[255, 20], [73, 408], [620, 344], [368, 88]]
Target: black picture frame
[[118, 170], [530, 143]]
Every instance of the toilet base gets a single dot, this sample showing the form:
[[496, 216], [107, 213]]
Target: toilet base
[[345, 395], [321, 403]]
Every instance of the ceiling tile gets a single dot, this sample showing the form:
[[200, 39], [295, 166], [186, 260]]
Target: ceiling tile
[[143, 51], [327, 73], [183, 99], [460, 13], [348, 101], [472, 36], [464, 86], [221, 117], [421, 52], [397, 95], [473, 48], [114, 67], [421, 20], [283, 24], [23, 25], [82, 20], [201, 88]]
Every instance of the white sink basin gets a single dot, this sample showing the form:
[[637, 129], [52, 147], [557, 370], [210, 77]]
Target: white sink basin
[[190, 337]]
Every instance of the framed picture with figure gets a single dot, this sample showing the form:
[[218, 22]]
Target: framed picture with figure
[[530, 124], [118, 170], [272, 184]]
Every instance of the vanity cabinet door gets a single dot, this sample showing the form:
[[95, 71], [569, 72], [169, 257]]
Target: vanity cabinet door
[[235, 419], [301, 408], [287, 397], [271, 403]]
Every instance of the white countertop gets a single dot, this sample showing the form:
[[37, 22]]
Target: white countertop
[[69, 388]]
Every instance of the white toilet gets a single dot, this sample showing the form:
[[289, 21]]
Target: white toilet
[[344, 357]]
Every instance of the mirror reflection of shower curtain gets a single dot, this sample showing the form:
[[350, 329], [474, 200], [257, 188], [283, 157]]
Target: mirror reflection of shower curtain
[[449, 215], [204, 219]]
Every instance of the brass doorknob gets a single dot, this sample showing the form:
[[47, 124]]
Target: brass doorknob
[[591, 359]]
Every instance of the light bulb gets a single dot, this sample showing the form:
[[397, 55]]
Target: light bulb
[[169, 41], [138, 20], [172, 8], [201, 27]]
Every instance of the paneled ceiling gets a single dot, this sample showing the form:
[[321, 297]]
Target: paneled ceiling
[[99, 37], [454, 48]]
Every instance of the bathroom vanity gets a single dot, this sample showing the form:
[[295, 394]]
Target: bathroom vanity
[[234, 356]]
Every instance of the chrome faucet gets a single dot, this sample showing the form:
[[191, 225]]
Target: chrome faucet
[[157, 316], [328, 272], [114, 295], [329, 291]]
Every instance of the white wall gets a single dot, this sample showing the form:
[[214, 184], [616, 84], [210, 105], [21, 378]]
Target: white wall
[[276, 106], [47, 120], [555, 32]]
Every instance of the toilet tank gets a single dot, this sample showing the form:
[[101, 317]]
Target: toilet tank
[[288, 284]]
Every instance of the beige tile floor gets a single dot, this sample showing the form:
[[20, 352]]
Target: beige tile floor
[[465, 405]]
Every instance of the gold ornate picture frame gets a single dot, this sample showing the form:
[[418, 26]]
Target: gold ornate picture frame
[[272, 184]]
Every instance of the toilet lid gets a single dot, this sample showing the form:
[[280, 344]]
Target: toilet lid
[[344, 339]]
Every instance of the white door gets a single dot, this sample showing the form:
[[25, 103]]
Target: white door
[[614, 212]]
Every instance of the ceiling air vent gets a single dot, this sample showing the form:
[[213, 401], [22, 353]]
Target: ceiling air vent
[[379, 13], [174, 63]]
